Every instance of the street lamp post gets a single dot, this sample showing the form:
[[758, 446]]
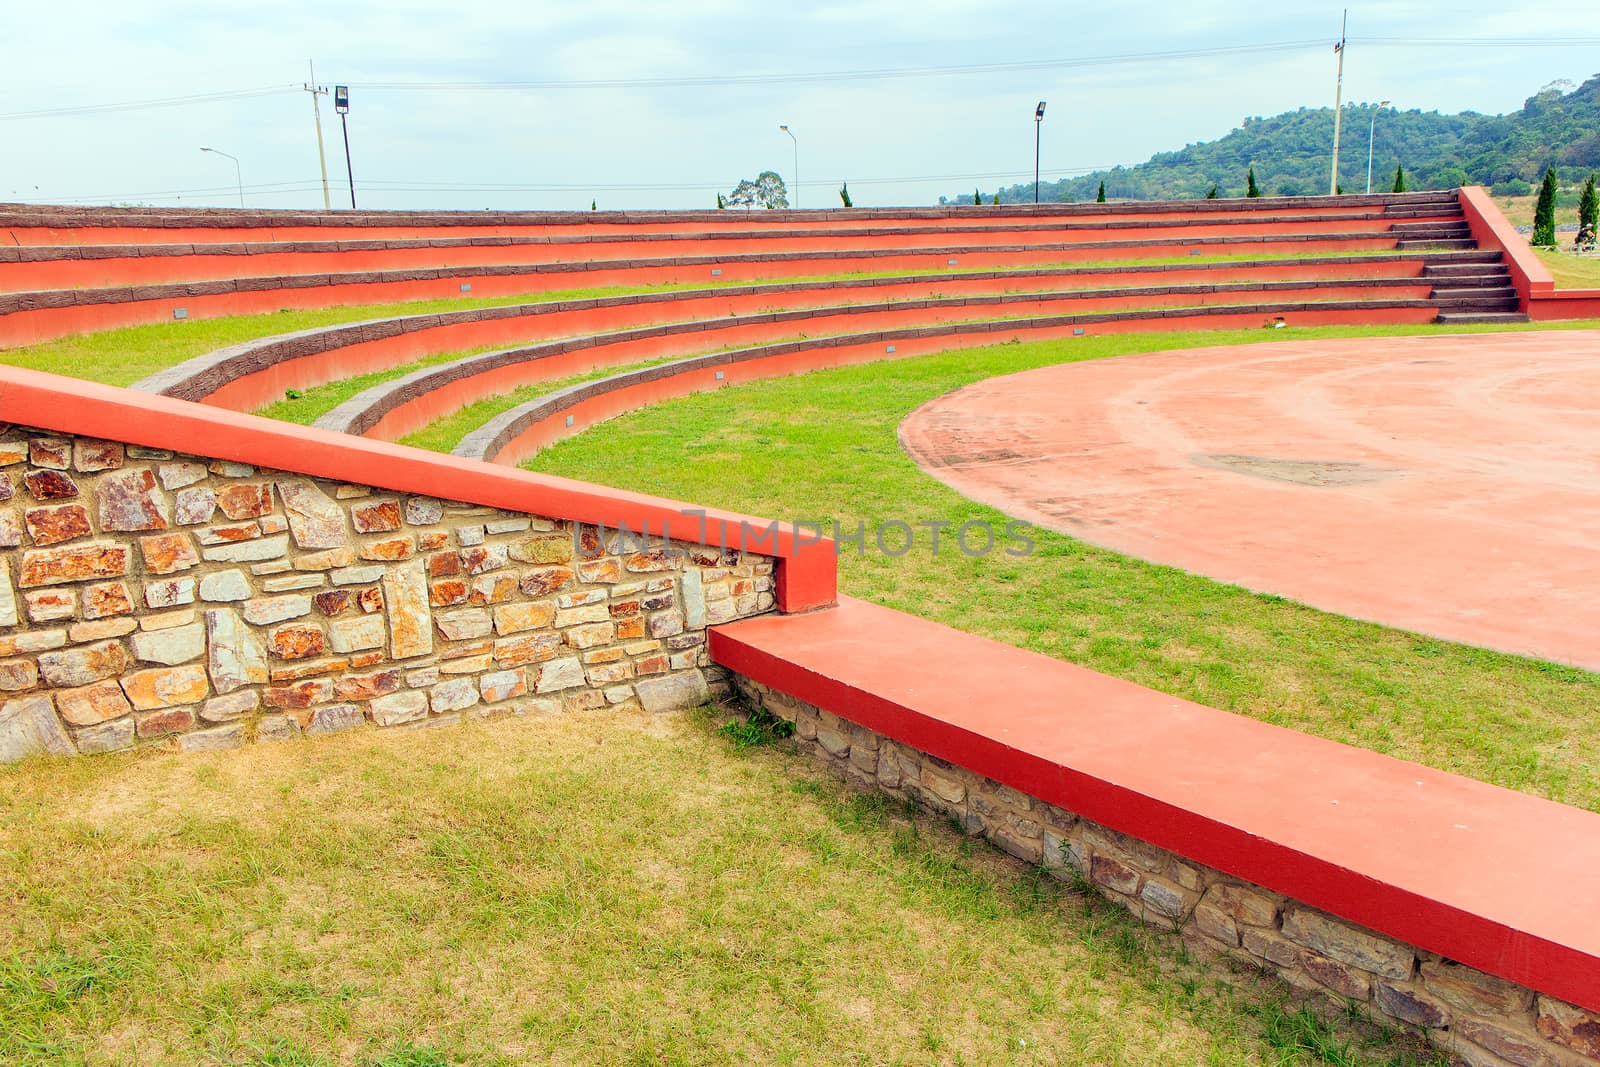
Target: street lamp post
[[785, 128], [1038, 121], [341, 104], [1371, 127], [238, 175]]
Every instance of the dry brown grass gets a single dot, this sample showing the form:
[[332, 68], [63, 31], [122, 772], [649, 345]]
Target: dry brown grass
[[607, 888]]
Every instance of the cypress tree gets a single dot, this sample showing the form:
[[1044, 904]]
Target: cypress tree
[[1544, 212], [1588, 215], [977, 197], [1101, 198], [721, 203], [1212, 195], [996, 200], [844, 194], [1399, 178], [1250, 186]]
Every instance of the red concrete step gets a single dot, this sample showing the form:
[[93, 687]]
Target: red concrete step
[[1479, 874]]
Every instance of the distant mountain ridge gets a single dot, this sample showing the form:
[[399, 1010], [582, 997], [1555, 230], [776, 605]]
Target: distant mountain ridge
[[1290, 153]]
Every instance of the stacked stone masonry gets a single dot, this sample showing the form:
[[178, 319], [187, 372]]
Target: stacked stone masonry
[[153, 598], [1478, 1019]]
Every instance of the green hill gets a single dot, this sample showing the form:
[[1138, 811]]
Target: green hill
[[1290, 153]]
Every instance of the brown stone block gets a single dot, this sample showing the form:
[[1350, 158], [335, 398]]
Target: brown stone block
[[104, 600], [1408, 1003], [1571, 1026], [492, 589], [50, 485], [443, 565], [378, 516], [167, 553], [367, 686], [533, 648], [49, 605], [51, 526], [545, 580], [514, 618], [388, 550], [1348, 943], [294, 671], [73, 563], [448, 592], [1110, 872], [630, 629], [431, 542], [230, 533], [1472, 991], [653, 665], [300, 694], [601, 571], [333, 601], [52, 452], [555, 549], [657, 559], [161, 723], [297, 641], [370, 600], [245, 500]]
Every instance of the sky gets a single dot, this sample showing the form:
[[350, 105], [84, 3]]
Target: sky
[[663, 105]]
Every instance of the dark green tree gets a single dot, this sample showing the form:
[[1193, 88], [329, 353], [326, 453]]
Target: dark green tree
[[1100, 197], [594, 205], [844, 194], [1212, 195], [1588, 216], [721, 203], [1399, 178], [996, 200], [1250, 186], [1544, 212], [977, 197]]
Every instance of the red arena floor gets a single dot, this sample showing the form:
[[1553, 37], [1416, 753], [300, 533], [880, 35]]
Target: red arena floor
[[1446, 485]]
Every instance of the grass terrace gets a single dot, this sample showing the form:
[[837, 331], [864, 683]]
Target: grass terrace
[[124, 356]]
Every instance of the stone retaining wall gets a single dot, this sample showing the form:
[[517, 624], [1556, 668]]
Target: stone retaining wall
[[154, 598], [1480, 1020]]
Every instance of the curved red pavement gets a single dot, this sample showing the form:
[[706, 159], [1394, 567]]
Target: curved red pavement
[[1448, 485]]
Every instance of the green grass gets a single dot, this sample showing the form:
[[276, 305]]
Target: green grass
[[601, 888], [1571, 271], [823, 447]]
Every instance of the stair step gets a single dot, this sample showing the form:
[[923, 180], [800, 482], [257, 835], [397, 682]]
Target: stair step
[[1475, 270], [1461, 317], [1442, 242], [1487, 291], [1431, 224]]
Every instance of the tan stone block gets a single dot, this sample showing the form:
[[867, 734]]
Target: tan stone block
[[236, 657], [945, 786], [315, 520], [1216, 923], [1343, 979], [608, 674], [630, 629], [388, 549], [377, 516], [245, 500], [587, 613], [332, 559], [1508, 1041], [405, 595], [1409, 1003], [532, 648], [590, 636], [166, 686], [166, 620], [1108, 871], [18, 674], [1472, 991], [356, 634], [92, 704], [128, 500], [295, 670], [601, 571], [556, 549], [493, 589], [367, 686], [469, 665], [407, 706], [299, 694], [51, 605], [515, 618], [81, 666], [232, 706], [502, 685], [230, 533], [1349, 943]]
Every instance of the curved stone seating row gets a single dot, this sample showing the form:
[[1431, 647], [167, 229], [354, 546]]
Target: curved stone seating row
[[392, 409], [57, 225], [31, 317], [518, 433], [249, 375], [102, 266]]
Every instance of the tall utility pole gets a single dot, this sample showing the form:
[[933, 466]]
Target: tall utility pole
[[322, 160], [1338, 103]]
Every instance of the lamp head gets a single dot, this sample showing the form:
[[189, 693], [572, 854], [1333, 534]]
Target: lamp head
[[1038, 113]]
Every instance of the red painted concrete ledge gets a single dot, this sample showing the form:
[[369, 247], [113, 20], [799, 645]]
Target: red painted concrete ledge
[[805, 566], [1488, 877]]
